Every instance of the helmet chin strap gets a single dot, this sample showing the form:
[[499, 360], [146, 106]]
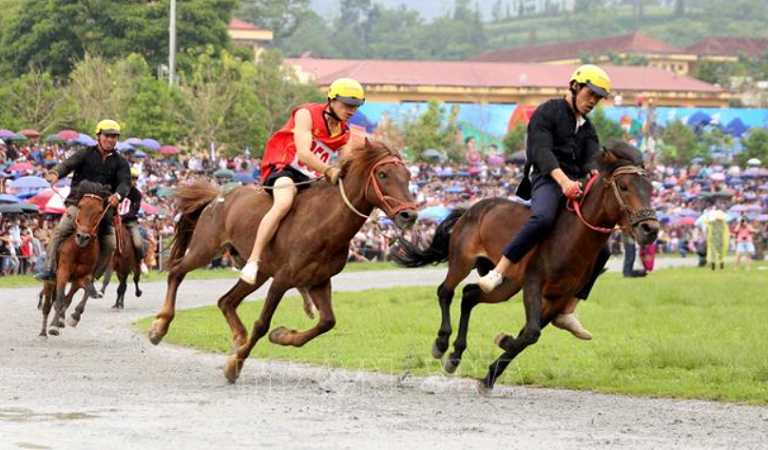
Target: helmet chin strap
[[332, 113]]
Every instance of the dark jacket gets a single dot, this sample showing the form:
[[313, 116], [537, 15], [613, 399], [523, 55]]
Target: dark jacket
[[554, 142], [134, 196], [87, 164]]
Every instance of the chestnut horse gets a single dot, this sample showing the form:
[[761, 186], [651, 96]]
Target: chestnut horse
[[125, 262], [77, 257], [553, 271], [310, 246]]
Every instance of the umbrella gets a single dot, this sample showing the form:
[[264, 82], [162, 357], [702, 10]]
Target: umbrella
[[139, 154], [717, 176], [49, 202], [29, 183], [32, 134], [163, 191], [762, 218], [684, 221], [168, 150], [245, 178], [150, 144], [495, 160], [736, 127], [84, 139], [148, 209], [124, 147], [68, 135], [224, 173], [21, 167], [436, 213], [54, 138], [8, 198], [5, 134], [11, 208], [754, 162], [134, 141], [699, 118], [16, 138], [433, 153]]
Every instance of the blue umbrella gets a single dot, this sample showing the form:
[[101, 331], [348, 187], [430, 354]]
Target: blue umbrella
[[139, 154], [30, 183], [84, 139], [8, 198], [124, 147], [134, 141], [150, 144], [361, 120], [244, 178], [436, 213]]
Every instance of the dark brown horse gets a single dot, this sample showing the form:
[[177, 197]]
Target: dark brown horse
[[77, 257], [125, 261], [310, 246], [553, 272]]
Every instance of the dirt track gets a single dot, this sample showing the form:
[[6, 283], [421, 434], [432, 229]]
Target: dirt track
[[103, 386]]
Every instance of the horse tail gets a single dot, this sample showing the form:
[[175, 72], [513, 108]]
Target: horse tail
[[410, 255], [191, 199]]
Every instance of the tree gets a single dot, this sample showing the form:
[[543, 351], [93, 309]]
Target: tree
[[679, 8], [31, 101], [607, 129], [431, 130], [496, 13], [282, 17], [312, 36], [53, 35], [680, 144], [514, 141], [755, 146]]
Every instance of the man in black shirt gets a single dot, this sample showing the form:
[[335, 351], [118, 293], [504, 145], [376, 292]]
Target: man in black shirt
[[100, 164], [129, 213], [561, 147]]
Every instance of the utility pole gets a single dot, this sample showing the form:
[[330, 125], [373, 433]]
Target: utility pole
[[172, 45]]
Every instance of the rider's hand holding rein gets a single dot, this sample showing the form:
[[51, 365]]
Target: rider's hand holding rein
[[114, 200], [571, 189]]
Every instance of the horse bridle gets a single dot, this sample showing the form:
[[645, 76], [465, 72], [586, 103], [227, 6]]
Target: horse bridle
[[391, 205], [633, 216], [92, 231]]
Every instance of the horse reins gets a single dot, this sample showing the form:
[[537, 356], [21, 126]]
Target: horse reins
[[391, 205], [92, 231], [634, 217]]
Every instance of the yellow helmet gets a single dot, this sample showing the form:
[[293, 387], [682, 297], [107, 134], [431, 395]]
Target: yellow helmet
[[108, 126], [594, 78], [347, 91], [134, 172]]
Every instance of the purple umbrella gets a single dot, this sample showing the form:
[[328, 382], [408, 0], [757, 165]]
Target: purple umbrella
[[5, 134], [84, 139], [150, 144], [134, 141]]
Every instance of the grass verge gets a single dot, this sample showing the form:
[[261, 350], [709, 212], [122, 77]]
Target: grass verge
[[685, 333]]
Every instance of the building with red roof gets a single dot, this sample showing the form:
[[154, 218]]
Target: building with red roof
[[249, 35], [625, 48], [496, 82], [728, 48]]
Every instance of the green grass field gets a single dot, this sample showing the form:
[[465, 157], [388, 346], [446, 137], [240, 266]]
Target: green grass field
[[686, 333], [21, 281]]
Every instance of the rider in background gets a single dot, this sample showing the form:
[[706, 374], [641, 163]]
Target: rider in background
[[100, 164], [129, 214], [561, 148], [300, 151]]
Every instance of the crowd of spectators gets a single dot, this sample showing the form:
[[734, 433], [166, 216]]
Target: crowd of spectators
[[683, 196]]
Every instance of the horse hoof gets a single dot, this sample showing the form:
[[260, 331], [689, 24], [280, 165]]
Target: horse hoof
[[53, 332], [232, 369], [73, 321], [436, 352], [155, 335], [43, 335], [483, 389], [138, 294], [450, 365], [500, 339], [276, 335], [115, 306]]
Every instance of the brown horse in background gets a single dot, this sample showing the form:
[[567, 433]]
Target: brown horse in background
[[552, 272], [125, 262], [311, 245], [77, 257]]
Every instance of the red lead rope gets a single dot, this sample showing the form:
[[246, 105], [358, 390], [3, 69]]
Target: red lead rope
[[575, 206]]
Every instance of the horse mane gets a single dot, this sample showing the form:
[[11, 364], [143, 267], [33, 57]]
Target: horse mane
[[623, 154], [367, 155], [90, 187]]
